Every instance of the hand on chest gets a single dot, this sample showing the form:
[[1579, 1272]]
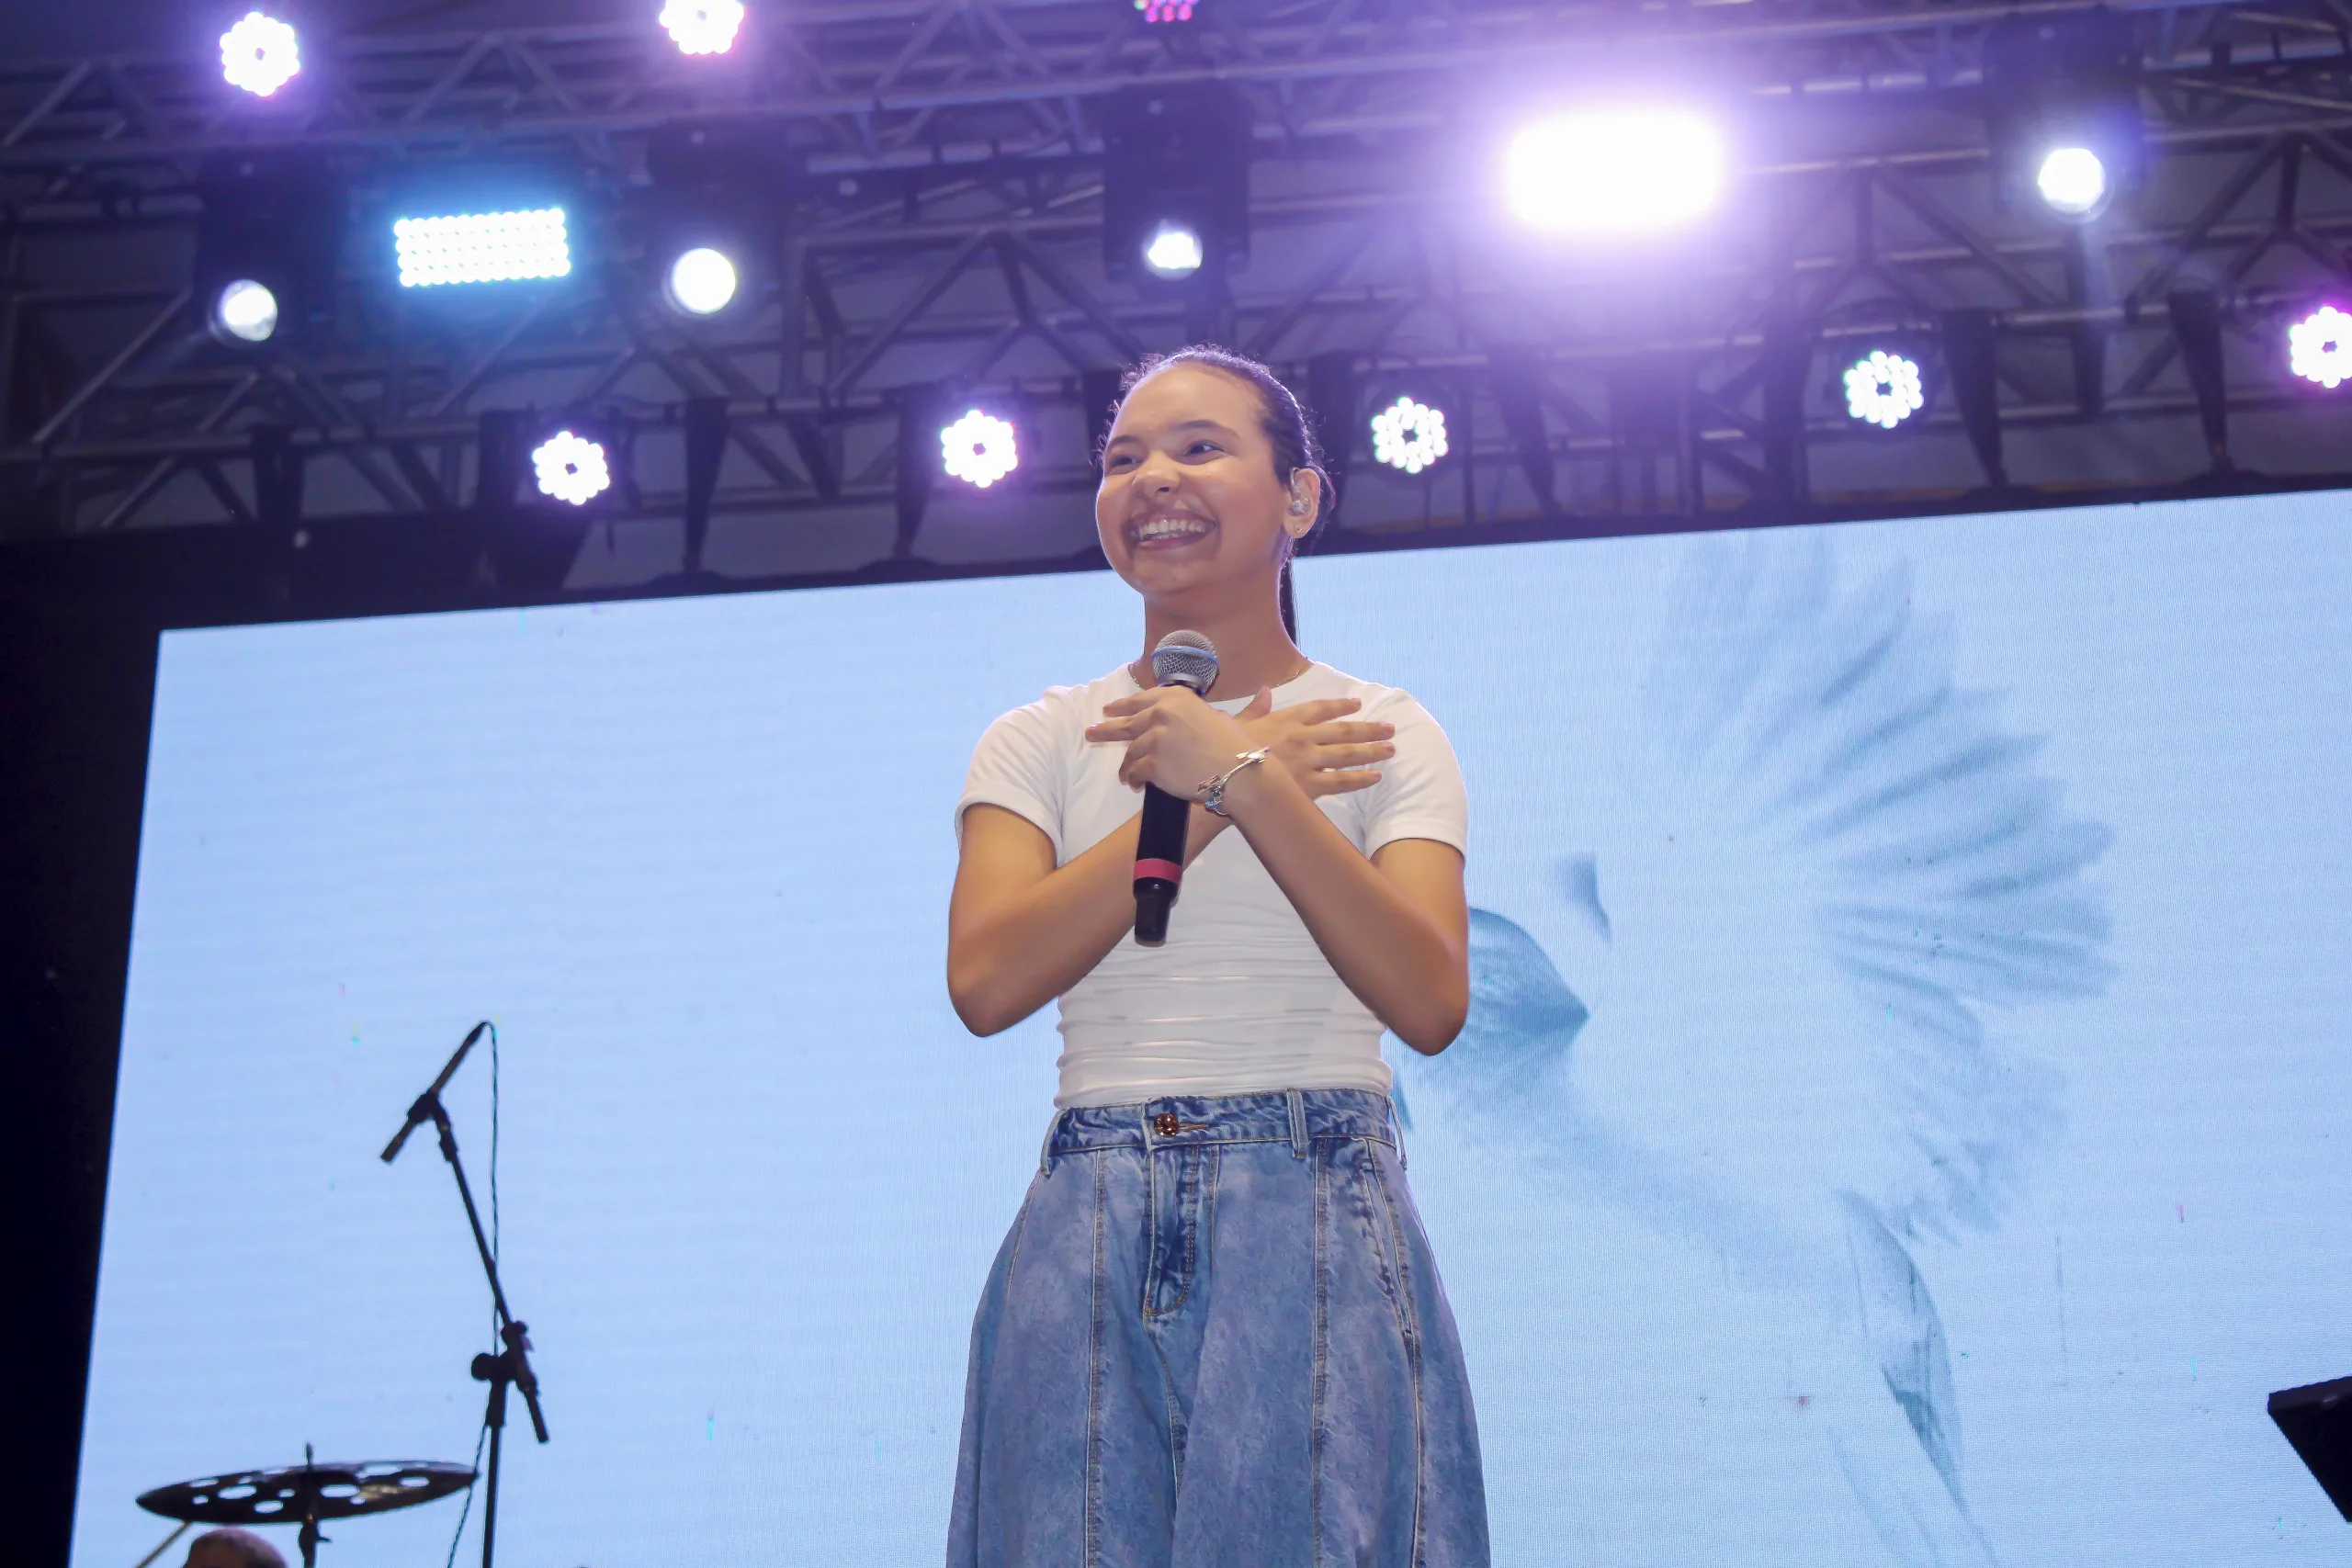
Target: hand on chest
[[1226, 873]]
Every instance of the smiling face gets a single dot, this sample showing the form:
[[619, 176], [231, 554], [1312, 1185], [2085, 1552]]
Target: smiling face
[[1191, 509]]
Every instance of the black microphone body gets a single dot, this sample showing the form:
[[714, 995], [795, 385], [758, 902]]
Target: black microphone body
[[1188, 660], [1159, 863]]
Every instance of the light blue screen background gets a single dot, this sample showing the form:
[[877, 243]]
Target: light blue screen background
[[693, 856]]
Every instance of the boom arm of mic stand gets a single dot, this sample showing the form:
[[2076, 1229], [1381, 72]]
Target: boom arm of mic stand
[[514, 1334]]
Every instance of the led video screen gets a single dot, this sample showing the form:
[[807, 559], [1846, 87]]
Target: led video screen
[[1903, 1118]]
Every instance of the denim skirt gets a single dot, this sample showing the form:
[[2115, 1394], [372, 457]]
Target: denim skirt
[[1214, 1336]]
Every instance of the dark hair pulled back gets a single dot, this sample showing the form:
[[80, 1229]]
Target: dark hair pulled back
[[1280, 415]]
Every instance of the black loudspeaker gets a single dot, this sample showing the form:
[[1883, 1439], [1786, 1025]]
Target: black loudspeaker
[[1176, 155], [2318, 1420]]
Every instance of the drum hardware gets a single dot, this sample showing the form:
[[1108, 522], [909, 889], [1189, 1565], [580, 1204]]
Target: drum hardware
[[310, 1491]]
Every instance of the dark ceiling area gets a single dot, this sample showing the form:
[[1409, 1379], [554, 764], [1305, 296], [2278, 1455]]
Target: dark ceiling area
[[930, 185]]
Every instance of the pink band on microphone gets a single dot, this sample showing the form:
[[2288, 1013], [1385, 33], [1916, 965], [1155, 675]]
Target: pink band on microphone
[[1166, 870]]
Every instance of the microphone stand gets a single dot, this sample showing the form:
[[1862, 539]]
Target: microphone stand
[[512, 1364]]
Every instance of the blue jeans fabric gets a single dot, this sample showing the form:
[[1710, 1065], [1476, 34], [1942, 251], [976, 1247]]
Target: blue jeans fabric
[[1214, 1335]]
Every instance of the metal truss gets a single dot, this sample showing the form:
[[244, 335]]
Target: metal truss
[[943, 234]]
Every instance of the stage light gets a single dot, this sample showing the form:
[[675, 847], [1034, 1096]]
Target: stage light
[[703, 27], [570, 467], [244, 311], [1176, 186], [2319, 347], [1883, 389], [2073, 180], [481, 247], [1174, 251], [1616, 172], [979, 449], [1165, 10], [259, 54], [701, 282], [2062, 107], [1408, 435], [268, 240]]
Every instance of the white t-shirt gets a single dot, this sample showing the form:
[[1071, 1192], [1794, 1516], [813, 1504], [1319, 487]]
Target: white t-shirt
[[1239, 1000]]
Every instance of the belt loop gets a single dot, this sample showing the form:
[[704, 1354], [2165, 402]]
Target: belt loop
[[1396, 1134], [1045, 1155], [1298, 1123]]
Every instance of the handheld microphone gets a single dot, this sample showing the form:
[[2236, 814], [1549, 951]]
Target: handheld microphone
[[1182, 659]]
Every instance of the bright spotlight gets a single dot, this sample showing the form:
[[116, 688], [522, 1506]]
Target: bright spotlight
[[1165, 10], [259, 54], [2319, 347], [979, 449], [703, 27], [1174, 251], [244, 311], [1408, 435], [570, 467], [1618, 171], [2072, 181], [1883, 389], [701, 282], [481, 247]]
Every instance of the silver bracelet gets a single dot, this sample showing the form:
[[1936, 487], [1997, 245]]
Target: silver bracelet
[[1213, 792]]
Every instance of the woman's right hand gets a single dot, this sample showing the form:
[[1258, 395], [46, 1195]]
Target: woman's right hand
[[1322, 749]]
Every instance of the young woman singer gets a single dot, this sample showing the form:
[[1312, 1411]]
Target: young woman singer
[[1214, 1335]]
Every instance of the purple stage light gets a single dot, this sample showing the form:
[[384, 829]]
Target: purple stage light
[[702, 27], [260, 54], [979, 448], [2319, 347], [571, 468]]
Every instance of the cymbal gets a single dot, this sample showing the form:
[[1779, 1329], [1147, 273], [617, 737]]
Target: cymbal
[[327, 1490]]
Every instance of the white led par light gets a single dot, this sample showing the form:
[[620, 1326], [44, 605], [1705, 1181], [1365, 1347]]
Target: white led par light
[[2319, 347], [702, 27], [979, 448], [244, 312], [1408, 435], [570, 467], [701, 281], [482, 247], [1174, 251], [1883, 389], [260, 54], [2073, 182]]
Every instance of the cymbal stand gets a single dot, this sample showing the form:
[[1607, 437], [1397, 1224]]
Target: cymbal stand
[[513, 1363], [183, 1528], [309, 1538]]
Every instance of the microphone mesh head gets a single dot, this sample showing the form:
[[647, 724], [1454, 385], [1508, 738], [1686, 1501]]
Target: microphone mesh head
[[1186, 658]]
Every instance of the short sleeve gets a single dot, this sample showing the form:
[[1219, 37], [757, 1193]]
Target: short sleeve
[[1420, 793], [1020, 765]]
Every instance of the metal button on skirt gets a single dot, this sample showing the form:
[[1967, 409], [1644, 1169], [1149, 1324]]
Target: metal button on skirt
[[1214, 1335]]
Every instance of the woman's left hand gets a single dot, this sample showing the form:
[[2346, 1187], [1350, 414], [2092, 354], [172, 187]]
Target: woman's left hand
[[1174, 740]]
